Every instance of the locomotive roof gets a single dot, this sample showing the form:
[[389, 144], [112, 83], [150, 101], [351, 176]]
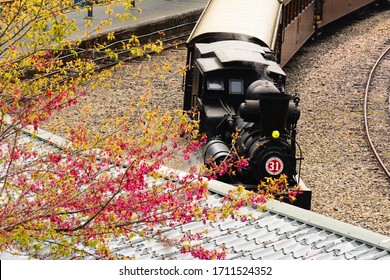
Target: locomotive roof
[[222, 54], [251, 20], [224, 59], [204, 49]]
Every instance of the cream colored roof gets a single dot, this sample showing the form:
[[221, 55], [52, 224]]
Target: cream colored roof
[[256, 19]]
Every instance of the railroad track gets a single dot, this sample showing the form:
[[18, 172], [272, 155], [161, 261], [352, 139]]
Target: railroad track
[[170, 37], [377, 110], [104, 60]]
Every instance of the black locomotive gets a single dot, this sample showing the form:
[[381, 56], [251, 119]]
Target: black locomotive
[[241, 88], [235, 80]]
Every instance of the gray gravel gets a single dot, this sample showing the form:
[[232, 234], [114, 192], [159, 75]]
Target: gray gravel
[[329, 75]]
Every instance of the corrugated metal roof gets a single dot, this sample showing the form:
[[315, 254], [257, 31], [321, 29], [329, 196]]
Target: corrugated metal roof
[[283, 232], [270, 235]]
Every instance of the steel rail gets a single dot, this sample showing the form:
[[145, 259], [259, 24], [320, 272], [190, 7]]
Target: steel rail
[[103, 60], [370, 141]]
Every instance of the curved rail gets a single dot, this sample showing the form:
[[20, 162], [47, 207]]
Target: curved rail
[[371, 143]]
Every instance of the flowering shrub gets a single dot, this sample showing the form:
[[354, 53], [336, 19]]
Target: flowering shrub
[[71, 200]]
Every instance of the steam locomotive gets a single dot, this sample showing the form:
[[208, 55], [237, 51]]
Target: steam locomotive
[[241, 88], [235, 79]]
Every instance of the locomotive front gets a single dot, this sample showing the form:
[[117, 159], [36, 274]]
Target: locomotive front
[[237, 86]]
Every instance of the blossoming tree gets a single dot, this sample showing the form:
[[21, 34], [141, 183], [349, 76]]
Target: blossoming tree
[[75, 197]]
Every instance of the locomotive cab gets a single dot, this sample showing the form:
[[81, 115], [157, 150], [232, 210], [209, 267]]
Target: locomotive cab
[[221, 74], [220, 93]]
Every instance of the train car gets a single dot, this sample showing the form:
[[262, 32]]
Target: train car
[[296, 28], [330, 10], [301, 20], [235, 81]]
